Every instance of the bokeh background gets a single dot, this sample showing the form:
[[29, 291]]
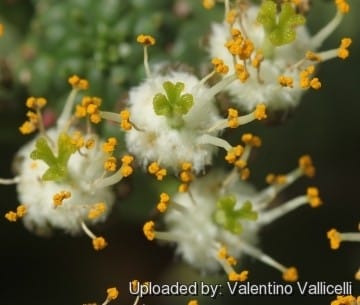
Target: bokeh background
[[46, 40]]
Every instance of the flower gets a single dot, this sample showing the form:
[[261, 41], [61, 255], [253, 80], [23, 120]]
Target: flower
[[270, 51], [218, 219], [64, 175]]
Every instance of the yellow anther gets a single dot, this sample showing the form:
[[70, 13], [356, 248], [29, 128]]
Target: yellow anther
[[90, 143], [36, 102], [127, 159], [286, 81], [126, 170], [89, 106], [208, 4], [313, 195], [11, 216], [59, 197], [281, 179], [1, 29], [183, 187], [95, 118], [342, 6], [99, 243], [241, 72], [77, 139], [186, 166], [160, 174], [219, 66], [245, 173], [110, 145], [312, 56], [21, 211], [270, 178], [80, 111], [233, 154], [346, 300], [290, 274], [97, 210], [236, 33], [257, 60], [78, 83], [27, 127], [231, 16], [335, 238], [240, 163], [305, 164], [164, 202], [231, 261], [233, 118], [110, 164], [343, 51], [146, 40], [222, 253], [148, 230], [357, 276], [164, 197], [112, 293], [242, 276], [260, 112], [125, 120], [153, 167], [315, 83]]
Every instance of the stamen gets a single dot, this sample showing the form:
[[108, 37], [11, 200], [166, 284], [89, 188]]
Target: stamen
[[146, 40], [112, 294], [336, 238], [289, 274], [99, 243], [151, 234]]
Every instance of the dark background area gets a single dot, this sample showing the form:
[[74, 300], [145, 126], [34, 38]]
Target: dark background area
[[65, 270]]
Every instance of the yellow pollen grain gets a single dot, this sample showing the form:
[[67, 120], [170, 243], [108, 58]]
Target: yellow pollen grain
[[112, 293], [290, 274], [315, 83], [335, 238], [208, 4], [11, 216], [97, 210], [260, 112], [99, 243], [148, 230], [146, 40], [233, 276], [342, 6], [286, 81], [21, 210], [126, 170]]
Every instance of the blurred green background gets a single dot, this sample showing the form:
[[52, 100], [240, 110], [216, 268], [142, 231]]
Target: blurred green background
[[45, 40]]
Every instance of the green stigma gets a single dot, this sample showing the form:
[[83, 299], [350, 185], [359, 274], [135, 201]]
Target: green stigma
[[173, 105], [279, 29], [229, 218], [57, 170]]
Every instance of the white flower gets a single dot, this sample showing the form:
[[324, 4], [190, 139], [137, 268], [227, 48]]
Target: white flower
[[42, 214], [171, 140], [271, 70], [217, 220]]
